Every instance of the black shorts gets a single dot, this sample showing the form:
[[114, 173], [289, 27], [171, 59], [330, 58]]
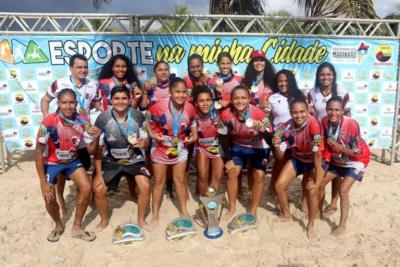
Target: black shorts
[[113, 171], [84, 158]]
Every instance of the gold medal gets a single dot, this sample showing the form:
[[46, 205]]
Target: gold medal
[[331, 140], [254, 89], [249, 122], [132, 139], [217, 105], [172, 152], [220, 81], [175, 140]]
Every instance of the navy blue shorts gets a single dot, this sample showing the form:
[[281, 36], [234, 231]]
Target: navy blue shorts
[[258, 157], [343, 172], [53, 170], [301, 167]]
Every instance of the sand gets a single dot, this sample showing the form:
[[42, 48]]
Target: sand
[[372, 239]]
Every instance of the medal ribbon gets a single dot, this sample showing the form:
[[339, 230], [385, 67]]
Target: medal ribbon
[[126, 132], [336, 135], [258, 80], [81, 100], [79, 120], [176, 121]]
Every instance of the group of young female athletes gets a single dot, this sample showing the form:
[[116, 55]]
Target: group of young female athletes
[[224, 122]]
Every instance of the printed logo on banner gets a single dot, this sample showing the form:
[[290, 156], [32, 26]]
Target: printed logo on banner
[[5, 100], [383, 54], [6, 111], [389, 75], [306, 86], [3, 85], [387, 121], [19, 98], [348, 74], [44, 73], [28, 74], [361, 99], [10, 133], [24, 121], [375, 75], [30, 86], [389, 98], [362, 86], [389, 86], [374, 99], [386, 132], [349, 54], [13, 73], [362, 74], [361, 110], [374, 121], [22, 110], [387, 110]]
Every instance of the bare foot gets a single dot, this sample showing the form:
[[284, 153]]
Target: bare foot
[[311, 232], [101, 226], [185, 215], [228, 216], [145, 226], [339, 231], [329, 211], [282, 219], [155, 222]]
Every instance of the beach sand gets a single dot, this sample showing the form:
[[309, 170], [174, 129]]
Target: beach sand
[[372, 239]]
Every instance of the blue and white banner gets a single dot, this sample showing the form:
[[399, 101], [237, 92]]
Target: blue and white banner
[[29, 64]]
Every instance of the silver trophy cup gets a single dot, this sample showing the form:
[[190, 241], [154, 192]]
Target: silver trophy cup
[[212, 203]]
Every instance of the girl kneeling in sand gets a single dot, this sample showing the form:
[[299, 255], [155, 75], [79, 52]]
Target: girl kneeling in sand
[[347, 155], [241, 129], [172, 129], [56, 153], [303, 136]]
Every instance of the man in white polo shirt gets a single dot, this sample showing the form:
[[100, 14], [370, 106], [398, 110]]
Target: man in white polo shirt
[[87, 96]]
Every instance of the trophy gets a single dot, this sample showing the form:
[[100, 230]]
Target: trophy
[[211, 203]]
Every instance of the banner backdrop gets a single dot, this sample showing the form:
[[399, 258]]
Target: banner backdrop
[[29, 64]]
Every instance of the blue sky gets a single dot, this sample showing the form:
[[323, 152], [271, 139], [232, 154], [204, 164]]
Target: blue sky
[[151, 6]]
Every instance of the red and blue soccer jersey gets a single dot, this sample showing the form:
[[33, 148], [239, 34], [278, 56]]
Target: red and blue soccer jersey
[[158, 93], [262, 95], [161, 122], [105, 86], [228, 85], [349, 136], [61, 139], [241, 133], [303, 139], [207, 129]]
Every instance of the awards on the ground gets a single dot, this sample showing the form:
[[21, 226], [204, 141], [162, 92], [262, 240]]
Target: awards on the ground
[[331, 140], [179, 228], [132, 139], [212, 203], [242, 223], [254, 89], [217, 104], [249, 122], [127, 233]]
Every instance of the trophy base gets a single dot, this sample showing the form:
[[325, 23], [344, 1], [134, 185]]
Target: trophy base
[[214, 234]]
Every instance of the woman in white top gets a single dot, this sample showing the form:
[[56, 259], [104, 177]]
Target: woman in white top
[[325, 87], [285, 89]]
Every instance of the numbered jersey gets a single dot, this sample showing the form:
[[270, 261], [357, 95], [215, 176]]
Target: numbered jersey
[[61, 139]]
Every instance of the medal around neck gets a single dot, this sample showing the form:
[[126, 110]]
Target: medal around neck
[[127, 234], [179, 228], [210, 210], [220, 81], [254, 89], [242, 223], [217, 105], [132, 139], [331, 140], [249, 122]]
